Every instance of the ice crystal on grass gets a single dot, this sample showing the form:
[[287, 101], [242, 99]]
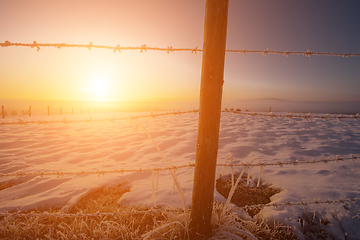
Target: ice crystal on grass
[[313, 226]]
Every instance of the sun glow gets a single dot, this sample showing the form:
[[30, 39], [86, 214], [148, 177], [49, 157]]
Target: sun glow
[[97, 85], [100, 87]]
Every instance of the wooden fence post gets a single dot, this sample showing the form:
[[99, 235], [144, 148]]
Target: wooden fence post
[[212, 74], [30, 111], [3, 112]]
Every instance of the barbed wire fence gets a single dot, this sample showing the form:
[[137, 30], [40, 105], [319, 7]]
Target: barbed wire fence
[[145, 48], [90, 120], [176, 167], [289, 116], [307, 116]]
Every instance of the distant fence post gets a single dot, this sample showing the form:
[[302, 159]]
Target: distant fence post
[[48, 110], [3, 112], [30, 111], [212, 74]]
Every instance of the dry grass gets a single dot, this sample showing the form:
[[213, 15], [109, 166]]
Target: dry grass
[[102, 200], [148, 224], [261, 230], [122, 226]]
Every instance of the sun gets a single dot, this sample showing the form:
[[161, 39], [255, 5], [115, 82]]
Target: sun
[[100, 87]]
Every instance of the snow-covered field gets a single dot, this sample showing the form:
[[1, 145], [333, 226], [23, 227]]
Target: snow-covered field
[[108, 145]]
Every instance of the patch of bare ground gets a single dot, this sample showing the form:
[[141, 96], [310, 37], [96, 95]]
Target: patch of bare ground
[[13, 182], [245, 195], [5, 185]]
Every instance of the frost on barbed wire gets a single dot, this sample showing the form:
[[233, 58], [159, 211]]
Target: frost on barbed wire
[[78, 214], [174, 113], [302, 203], [302, 116], [172, 167], [156, 210], [112, 120], [169, 49], [117, 48]]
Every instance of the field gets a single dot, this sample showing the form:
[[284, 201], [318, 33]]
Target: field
[[99, 146]]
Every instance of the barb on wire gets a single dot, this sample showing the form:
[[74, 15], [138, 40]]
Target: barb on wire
[[171, 167], [308, 53], [97, 172], [144, 48], [155, 210], [295, 115], [79, 214], [254, 114], [295, 163], [302, 203], [113, 119]]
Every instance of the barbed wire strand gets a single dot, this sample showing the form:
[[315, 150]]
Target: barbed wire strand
[[79, 214], [296, 115], [144, 48], [156, 169], [302, 203], [157, 210], [175, 113], [117, 48], [113, 119]]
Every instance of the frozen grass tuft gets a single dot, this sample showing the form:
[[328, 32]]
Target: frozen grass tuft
[[226, 225], [313, 226]]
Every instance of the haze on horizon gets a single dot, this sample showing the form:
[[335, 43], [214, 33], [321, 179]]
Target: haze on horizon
[[80, 74]]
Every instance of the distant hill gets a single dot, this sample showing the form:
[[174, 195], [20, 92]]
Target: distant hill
[[282, 105], [271, 99]]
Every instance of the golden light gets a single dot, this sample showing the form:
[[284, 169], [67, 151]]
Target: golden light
[[100, 87]]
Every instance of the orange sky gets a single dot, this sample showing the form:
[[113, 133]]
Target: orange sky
[[100, 74], [130, 75]]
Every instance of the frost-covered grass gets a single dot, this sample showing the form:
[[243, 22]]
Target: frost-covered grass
[[147, 224]]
